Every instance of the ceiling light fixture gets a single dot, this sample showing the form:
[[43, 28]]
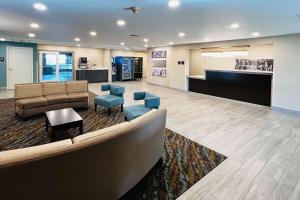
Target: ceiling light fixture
[[234, 26], [181, 34], [121, 22], [122, 43], [146, 40], [34, 25], [2, 39], [93, 33], [77, 39], [171, 43], [207, 39], [40, 6], [146, 46], [174, 3], [78, 45], [32, 35], [255, 34]]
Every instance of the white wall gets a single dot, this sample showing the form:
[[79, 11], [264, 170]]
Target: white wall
[[176, 74], [286, 79]]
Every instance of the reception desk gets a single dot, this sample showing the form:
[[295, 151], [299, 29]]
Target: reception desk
[[247, 86], [92, 75]]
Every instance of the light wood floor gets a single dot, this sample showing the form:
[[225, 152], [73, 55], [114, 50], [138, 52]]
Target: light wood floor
[[262, 146]]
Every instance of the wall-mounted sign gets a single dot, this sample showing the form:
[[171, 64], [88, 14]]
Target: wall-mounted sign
[[159, 54], [1, 59], [180, 62], [266, 65]]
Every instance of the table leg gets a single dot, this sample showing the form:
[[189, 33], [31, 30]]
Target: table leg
[[47, 124], [81, 128]]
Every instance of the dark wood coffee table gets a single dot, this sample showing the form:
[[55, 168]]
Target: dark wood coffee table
[[63, 119]]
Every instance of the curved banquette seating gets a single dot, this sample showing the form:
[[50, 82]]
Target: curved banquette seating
[[104, 164], [36, 98]]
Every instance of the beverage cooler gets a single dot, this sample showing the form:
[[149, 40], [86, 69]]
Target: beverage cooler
[[127, 68]]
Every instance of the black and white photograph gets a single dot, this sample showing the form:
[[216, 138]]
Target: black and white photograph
[[159, 54], [266, 65]]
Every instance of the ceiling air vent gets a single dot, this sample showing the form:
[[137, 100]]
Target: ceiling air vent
[[134, 35]]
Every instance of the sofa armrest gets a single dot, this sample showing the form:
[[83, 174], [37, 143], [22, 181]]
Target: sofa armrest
[[105, 87], [139, 95], [152, 102]]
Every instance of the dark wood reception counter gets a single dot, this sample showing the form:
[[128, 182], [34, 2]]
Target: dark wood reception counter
[[247, 86], [92, 75]]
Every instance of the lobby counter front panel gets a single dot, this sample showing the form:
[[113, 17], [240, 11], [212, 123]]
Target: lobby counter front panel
[[248, 86], [92, 75]]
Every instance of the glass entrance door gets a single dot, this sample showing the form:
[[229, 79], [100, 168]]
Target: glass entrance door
[[56, 66]]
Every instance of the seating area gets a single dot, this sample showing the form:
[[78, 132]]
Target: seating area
[[37, 98], [73, 165], [149, 100]]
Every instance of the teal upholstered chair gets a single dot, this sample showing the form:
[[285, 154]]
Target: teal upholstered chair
[[150, 102], [115, 98]]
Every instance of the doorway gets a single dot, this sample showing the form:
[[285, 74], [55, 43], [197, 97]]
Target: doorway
[[19, 66], [55, 66]]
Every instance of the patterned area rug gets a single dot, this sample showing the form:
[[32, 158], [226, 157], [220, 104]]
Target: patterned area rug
[[184, 162]]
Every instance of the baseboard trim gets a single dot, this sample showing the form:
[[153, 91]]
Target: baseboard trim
[[285, 110], [165, 86]]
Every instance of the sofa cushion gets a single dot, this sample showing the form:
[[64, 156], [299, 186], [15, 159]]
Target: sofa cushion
[[54, 88], [132, 112], [109, 101], [23, 91], [78, 97], [29, 153], [99, 134], [76, 87], [31, 102], [58, 98]]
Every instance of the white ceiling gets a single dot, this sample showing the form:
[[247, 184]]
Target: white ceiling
[[199, 19]]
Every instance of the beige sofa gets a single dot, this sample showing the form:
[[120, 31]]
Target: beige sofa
[[100, 165], [37, 98]]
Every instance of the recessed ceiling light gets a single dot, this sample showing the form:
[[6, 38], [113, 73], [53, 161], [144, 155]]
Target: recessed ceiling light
[[93, 33], [181, 34], [40, 6], [127, 49], [121, 22], [2, 39], [34, 25], [255, 34], [122, 43], [78, 45], [146, 40], [32, 35], [234, 26], [146, 46], [174, 3], [171, 43], [77, 39], [207, 39]]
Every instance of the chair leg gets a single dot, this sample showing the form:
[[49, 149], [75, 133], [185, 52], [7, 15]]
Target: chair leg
[[109, 111], [125, 118], [95, 107], [122, 108]]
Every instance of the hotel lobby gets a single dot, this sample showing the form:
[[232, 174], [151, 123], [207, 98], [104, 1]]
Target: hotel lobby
[[162, 100]]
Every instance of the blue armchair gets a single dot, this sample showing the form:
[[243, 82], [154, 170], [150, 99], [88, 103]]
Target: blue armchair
[[115, 98], [150, 102]]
